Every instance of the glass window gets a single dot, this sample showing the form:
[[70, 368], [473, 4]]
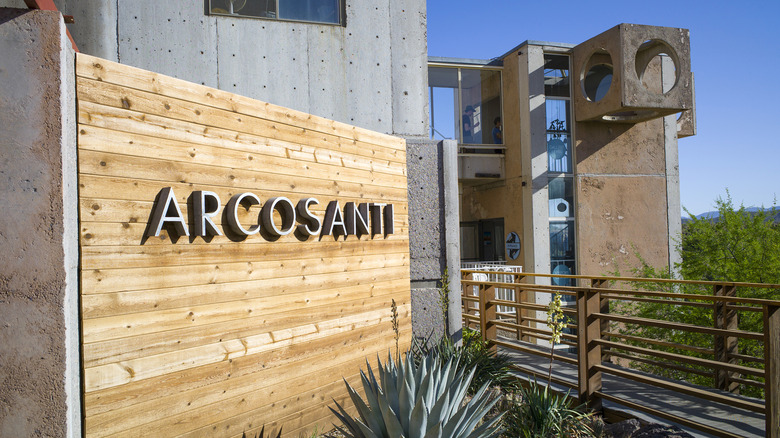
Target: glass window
[[556, 75], [443, 87], [558, 136], [481, 105], [561, 191], [465, 104], [318, 11]]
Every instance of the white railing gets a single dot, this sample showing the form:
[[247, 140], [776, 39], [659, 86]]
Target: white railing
[[496, 268]]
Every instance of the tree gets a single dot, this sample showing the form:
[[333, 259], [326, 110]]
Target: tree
[[737, 246]]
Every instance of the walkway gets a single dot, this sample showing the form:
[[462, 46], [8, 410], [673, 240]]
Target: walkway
[[739, 422]]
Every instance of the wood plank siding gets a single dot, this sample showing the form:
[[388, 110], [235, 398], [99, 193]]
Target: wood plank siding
[[215, 337]]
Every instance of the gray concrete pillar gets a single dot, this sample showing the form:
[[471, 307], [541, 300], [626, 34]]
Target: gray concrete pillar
[[451, 218], [39, 338], [434, 246]]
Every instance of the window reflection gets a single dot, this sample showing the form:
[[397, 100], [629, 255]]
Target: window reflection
[[466, 104]]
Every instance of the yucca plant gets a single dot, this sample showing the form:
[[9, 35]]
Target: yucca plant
[[418, 401]]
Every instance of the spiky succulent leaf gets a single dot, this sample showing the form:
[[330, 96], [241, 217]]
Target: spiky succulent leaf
[[419, 400]]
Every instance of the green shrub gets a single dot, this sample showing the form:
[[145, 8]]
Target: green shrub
[[425, 400], [540, 413]]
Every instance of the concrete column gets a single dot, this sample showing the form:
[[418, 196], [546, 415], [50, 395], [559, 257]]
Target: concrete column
[[536, 233], [673, 203], [39, 337], [451, 218], [434, 233]]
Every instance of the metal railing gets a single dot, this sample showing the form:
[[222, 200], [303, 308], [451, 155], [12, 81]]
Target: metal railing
[[683, 335]]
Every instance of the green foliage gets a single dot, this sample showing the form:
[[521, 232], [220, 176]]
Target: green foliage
[[540, 413], [738, 246], [489, 367], [444, 297], [557, 321], [397, 333], [262, 434], [428, 400]]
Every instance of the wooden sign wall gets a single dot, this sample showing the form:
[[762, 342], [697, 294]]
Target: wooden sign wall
[[216, 336]]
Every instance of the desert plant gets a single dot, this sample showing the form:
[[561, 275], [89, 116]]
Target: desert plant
[[557, 321], [425, 400], [474, 353], [262, 434], [540, 413]]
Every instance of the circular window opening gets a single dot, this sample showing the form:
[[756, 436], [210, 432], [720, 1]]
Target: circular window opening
[[597, 82], [656, 66], [596, 77]]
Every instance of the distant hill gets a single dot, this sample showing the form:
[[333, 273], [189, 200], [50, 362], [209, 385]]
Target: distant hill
[[714, 215]]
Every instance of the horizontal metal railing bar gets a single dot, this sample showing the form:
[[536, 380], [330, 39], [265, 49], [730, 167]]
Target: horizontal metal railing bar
[[526, 328], [535, 374], [634, 279], [544, 321], [706, 395], [699, 350], [615, 294], [657, 301], [675, 367], [746, 358], [517, 347], [708, 363], [747, 382], [667, 416], [678, 326]]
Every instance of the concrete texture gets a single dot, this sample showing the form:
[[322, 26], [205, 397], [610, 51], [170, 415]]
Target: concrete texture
[[433, 219], [618, 216], [536, 232], [371, 73], [39, 355], [628, 99]]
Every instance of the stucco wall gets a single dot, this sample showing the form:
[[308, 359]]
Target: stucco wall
[[38, 279], [370, 73]]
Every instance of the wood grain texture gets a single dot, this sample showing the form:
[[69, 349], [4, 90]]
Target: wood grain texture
[[191, 336]]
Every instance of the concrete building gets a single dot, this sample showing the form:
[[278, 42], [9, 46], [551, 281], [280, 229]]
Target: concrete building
[[568, 153], [582, 169]]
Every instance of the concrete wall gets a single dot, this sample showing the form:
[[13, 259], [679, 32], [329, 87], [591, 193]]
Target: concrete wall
[[623, 187], [371, 73], [39, 352], [433, 235]]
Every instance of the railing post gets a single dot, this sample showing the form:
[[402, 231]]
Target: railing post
[[466, 290], [487, 314], [519, 317], [589, 353], [772, 369], [725, 346], [603, 308]]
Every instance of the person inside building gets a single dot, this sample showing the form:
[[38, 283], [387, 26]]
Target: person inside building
[[469, 124], [498, 136]]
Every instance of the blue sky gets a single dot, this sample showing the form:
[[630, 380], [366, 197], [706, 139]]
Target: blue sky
[[734, 55]]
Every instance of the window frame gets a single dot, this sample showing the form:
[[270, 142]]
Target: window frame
[[341, 9]]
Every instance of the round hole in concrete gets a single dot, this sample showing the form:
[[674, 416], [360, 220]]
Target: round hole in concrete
[[656, 66], [596, 76]]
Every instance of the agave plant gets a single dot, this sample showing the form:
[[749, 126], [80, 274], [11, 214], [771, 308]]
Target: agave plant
[[262, 434], [418, 401], [490, 366]]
